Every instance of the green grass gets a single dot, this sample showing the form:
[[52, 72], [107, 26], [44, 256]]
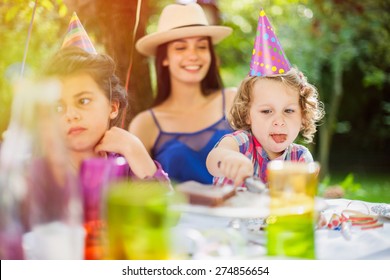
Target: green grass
[[370, 187]]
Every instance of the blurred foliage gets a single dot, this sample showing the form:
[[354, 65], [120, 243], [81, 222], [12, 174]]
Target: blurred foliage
[[15, 17], [348, 185], [372, 187]]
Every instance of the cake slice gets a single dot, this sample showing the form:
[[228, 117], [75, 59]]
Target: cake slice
[[208, 195]]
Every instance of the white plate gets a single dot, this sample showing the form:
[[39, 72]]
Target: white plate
[[242, 205], [382, 210]]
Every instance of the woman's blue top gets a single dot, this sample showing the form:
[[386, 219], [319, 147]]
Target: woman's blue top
[[183, 155]]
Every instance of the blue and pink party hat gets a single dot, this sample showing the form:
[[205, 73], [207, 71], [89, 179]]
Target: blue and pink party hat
[[268, 57]]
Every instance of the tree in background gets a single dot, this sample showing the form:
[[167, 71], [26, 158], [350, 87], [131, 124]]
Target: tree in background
[[343, 35]]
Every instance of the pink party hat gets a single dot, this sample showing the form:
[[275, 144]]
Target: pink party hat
[[268, 57], [77, 36]]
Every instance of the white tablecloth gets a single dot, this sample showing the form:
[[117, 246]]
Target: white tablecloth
[[199, 236], [364, 244]]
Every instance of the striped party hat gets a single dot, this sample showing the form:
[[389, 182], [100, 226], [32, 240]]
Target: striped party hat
[[77, 36], [268, 57]]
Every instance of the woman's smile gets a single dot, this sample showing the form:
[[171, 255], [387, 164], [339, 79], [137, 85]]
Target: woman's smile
[[192, 67]]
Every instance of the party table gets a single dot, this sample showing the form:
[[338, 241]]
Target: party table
[[364, 244], [210, 235]]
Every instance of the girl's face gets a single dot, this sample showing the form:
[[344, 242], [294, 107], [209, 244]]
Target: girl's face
[[85, 112], [188, 59], [275, 115]]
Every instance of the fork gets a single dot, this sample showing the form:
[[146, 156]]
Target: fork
[[255, 185]]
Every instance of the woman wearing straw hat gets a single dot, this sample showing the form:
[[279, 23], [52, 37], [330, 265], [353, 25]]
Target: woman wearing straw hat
[[188, 116]]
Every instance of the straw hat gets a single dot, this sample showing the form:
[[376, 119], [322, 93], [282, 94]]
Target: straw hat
[[180, 21]]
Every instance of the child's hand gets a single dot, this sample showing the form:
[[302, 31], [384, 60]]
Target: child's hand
[[117, 140], [236, 167], [120, 141]]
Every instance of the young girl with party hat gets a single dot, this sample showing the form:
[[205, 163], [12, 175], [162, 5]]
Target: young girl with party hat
[[273, 105], [91, 104]]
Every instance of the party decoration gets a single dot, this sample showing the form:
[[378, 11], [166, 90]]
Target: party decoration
[[335, 222], [77, 36], [268, 57]]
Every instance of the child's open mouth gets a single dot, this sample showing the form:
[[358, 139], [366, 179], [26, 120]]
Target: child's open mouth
[[279, 138]]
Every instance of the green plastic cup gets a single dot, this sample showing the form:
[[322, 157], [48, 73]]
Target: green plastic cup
[[137, 221]]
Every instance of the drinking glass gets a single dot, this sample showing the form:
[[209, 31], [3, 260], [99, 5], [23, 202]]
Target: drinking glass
[[292, 188], [137, 221], [96, 174]]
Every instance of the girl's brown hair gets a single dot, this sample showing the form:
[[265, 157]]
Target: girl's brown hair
[[101, 67]]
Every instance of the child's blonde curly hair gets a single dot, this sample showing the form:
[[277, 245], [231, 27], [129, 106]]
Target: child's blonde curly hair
[[312, 108]]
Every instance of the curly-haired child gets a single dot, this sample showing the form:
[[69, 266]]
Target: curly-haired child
[[268, 114]]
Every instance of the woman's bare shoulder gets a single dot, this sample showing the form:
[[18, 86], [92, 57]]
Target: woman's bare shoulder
[[230, 94], [142, 119], [145, 128]]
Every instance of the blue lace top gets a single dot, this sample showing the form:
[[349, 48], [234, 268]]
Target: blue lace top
[[183, 155]]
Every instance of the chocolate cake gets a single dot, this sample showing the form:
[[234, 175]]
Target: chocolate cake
[[208, 195]]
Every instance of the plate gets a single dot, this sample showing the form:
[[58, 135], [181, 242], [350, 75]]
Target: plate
[[382, 210], [242, 205]]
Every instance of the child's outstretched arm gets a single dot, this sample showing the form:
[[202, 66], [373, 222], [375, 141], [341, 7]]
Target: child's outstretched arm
[[225, 160]]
